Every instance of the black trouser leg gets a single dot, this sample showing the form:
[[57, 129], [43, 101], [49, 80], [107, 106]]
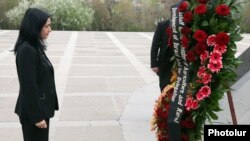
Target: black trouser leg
[[33, 133], [164, 77]]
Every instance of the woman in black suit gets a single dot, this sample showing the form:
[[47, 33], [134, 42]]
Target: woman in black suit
[[37, 100]]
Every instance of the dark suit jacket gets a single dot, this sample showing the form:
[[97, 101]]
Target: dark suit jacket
[[160, 52], [37, 98]]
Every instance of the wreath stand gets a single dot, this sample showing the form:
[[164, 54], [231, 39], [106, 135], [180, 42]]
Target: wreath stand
[[231, 105]]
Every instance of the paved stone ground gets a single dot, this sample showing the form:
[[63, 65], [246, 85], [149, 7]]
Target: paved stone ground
[[105, 86]]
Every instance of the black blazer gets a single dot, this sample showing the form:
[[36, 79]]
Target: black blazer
[[37, 98], [160, 52]]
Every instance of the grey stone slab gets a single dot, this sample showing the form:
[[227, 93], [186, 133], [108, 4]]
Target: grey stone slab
[[9, 38], [144, 59], [55, 66], [4, 46], [122, 94], [85, 53], [120, 103], [125, 84], [142, 53], [8, 70], [109, 46], [105, 133], [58, 39], [96, 133], [137, 131], [70, 134], [11, 134], [244, 67], [85, 60], [102, 71], [140, 113], [110, 53], [244, 119], [114, 60], [78, 85], [240, 100], [56, 47], [55, 53], [8, 60], [55, 60], [85, 45], [88, 108], [7, 41], [7, 107], [144, 101], [4, 83], [13, 86]]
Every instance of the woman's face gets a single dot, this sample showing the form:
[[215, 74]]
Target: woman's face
[[46, 29]]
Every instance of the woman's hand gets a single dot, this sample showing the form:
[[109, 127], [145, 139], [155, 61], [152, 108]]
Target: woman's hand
[[41, 124], [156, 70]]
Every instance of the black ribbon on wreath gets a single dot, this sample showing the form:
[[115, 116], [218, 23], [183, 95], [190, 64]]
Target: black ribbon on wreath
[[177, 103]]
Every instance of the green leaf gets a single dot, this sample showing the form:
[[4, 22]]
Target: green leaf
[[239, 8], [213, 115], [236, 37], [217, 108], [237, 62], [205, 23], [228, 2], [195, 27]]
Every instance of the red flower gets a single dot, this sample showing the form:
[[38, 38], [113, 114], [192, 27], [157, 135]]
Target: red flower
[[162, 113], [222, 10], [188, 103], [215, 57], [186, 30], [162, 124], [201, 71], [195, 104], [167, 108], [199, 96], [183, 6], [222, 38], [215, 67], [200, 36], [205, 91], [204, 57], [200, 48], [221, 49], [187, 123], [188, 17], [170, 37], [206, 78], [184, 137], [211, 40], [163, 137], [169, 31], [200, 9], [190, 56], [185, 41]]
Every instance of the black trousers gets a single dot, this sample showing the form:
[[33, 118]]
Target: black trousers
[[164, 76], [33, 133]]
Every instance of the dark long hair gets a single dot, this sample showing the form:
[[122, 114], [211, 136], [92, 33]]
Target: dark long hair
[[30, 29]]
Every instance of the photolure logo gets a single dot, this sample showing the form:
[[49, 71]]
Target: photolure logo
[[241, 132]]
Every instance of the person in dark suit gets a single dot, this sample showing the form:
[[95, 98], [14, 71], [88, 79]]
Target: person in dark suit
[[161, 54], [37, 100]]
